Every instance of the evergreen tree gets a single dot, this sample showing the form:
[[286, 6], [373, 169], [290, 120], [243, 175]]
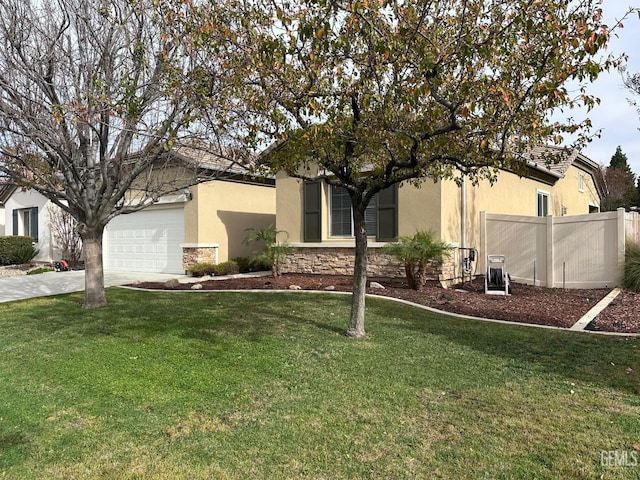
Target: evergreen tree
[[620, 161], [621, 183]]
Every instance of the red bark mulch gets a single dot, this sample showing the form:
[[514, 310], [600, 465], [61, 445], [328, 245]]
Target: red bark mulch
[[527, 304]]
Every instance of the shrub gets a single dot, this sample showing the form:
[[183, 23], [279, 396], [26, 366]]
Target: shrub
[[206, 268], [25, 253], [227, 268], [202, 269], [246, 265], [415, 253], [631, 276], [14, 250]]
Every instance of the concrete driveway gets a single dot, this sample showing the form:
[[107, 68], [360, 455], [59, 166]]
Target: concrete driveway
[[55, 283]]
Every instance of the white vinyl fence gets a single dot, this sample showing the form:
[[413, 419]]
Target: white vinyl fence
[[581, 251]]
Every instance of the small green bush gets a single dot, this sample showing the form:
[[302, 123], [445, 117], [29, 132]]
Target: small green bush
[[246, 265], [12, 249], [631, 276], [205, 268], [202, 269], [25, 253], [227, 268]]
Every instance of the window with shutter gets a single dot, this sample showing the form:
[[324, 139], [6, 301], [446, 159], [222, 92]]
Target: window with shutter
[[380, 215]]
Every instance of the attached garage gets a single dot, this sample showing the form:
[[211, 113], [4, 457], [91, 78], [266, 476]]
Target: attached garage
[[146, 241]]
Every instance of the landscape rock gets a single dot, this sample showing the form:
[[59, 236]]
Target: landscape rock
[[376, 286], [295, 287], [173, 283], [196, 286], [330, 288]]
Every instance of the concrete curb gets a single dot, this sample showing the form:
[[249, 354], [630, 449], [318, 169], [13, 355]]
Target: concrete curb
[[595, 310]]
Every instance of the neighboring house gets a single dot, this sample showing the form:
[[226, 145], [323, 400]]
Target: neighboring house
[[26, 213], [206, 222], [6, 189], [317, 217]]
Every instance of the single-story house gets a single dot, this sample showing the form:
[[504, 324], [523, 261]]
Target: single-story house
[[317, 217], [206, 222], [6, 189]]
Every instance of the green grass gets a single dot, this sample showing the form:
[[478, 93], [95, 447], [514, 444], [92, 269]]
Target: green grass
[[264, 386]]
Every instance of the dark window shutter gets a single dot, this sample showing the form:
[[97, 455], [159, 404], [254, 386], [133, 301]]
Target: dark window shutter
[[312, 212], [15, 222], [34, 224], [371, 217], [387, 214]]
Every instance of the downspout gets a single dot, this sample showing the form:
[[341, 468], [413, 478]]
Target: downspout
[[463, 223]]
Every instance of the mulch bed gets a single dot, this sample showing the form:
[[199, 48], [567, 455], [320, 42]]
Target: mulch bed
[[527, 304]]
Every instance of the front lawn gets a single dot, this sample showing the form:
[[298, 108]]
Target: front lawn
[[264, 386]]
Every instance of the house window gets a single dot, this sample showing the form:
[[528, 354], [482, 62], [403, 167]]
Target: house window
[[342, 217], [543, 203], [581, 182], [25, 222]]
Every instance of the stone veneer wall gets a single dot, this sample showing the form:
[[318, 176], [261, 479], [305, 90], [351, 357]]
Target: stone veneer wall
[[193, 255], [339, 261]]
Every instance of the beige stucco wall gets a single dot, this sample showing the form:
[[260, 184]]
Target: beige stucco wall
[[437, 206], [566, 194], [418, 209], [289, 206], [221, 211]]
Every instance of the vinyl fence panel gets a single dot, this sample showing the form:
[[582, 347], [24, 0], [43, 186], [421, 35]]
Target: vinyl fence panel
[[582, 251]]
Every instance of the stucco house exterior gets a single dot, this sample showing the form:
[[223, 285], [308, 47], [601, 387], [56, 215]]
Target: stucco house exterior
[[316, 215], [206, 222], [6, 189]]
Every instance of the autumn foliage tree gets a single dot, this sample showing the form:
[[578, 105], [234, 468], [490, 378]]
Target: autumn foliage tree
[[367, 94], [94, 98]]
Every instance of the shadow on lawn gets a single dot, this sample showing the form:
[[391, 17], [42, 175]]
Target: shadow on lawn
[[599, 359], [216, 317]]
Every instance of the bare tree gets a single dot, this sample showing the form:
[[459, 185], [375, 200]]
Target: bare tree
[[94, 98], [64, 233]]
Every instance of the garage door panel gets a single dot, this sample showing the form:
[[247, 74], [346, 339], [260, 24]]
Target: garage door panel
[[146, 241]]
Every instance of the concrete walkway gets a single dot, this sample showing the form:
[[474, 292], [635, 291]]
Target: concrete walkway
[[55, 283]]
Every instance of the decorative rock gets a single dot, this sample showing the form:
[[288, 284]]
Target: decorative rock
[[376, 286], [173, 283], [196, 286], [295, 287], [330, 288]]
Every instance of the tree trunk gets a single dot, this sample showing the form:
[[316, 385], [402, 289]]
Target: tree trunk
[[94, 295], [408, 271], [421, 276], [356, 323]]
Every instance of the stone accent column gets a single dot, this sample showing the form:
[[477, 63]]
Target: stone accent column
[[199, 253]]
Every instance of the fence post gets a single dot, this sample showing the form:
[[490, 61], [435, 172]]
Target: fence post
[[622, 235], [550, 252]]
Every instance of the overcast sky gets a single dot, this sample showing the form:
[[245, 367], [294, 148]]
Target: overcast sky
[[618, 120]]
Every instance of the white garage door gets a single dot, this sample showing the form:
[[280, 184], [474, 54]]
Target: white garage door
[[146, 241]]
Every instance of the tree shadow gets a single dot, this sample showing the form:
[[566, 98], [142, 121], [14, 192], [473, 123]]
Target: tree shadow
[[598, 359]]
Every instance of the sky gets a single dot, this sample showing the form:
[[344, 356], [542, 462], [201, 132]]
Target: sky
[[618, 120]]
